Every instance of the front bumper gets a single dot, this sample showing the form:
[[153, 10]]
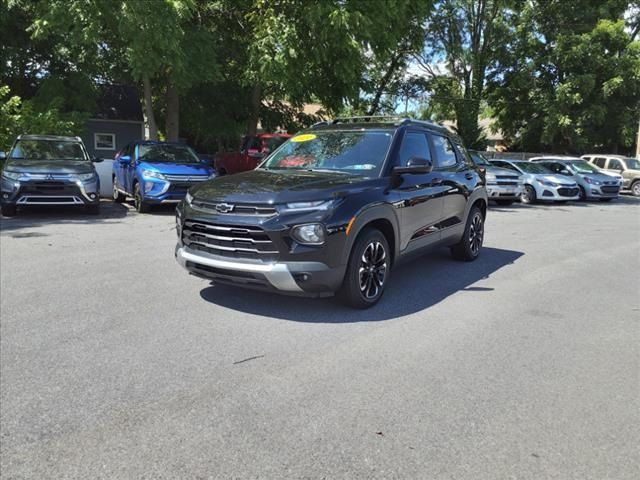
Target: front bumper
[[604, 191], [49, 192], [504, 192], [294, 278], [554, 194]]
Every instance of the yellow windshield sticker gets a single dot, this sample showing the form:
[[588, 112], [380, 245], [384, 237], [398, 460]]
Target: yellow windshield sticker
[[303, 138]]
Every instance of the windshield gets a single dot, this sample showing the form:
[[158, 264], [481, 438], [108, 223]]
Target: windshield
[[583, 167], [167, 154], [632, 163], [528, 167], [360, 152], [48, 150], [272, 143], [479, 159]]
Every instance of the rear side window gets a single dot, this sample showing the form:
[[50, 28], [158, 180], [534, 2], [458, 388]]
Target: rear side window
[[615, 164], [599, 162], [444, 151], [414, 144]]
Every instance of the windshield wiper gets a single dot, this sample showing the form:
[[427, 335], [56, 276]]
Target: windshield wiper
[[326, 170]]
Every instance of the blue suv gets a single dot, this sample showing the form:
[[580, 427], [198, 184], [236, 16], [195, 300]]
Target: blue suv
[[156, 173]]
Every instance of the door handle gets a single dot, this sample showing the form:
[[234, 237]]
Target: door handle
[[468, 176], [437, 181]]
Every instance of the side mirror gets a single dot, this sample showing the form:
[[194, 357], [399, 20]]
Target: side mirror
[[97, 159], [415, 165], [125, 160]]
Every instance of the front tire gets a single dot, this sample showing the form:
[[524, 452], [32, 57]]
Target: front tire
[[138, 200], [367, 271], [529, 196], [582, 195], [469, 246], [635, 188], [9, 210], [117, 196]]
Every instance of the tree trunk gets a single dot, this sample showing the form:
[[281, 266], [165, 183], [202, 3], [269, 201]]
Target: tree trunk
[[254, 110], [173, 113], [150, 126]]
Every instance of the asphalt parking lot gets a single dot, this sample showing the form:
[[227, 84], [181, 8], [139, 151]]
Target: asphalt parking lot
[[117, 364]]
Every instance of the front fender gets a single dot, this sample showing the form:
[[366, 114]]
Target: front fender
[[366, 216]]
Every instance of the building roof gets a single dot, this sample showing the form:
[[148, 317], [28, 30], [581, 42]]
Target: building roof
[[118, 102]]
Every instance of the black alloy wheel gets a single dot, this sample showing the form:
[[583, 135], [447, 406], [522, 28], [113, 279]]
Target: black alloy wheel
[[367, 271], [470, 244]]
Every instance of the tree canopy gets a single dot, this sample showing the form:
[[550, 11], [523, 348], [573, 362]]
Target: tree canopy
[[553, 75]]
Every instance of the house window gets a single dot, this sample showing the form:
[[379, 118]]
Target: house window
[[104, 141]]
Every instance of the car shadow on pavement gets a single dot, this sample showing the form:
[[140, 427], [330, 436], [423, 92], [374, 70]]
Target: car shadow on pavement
[[413, 287], [34, 217]]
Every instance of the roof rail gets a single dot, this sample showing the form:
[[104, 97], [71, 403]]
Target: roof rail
[[369, 118]]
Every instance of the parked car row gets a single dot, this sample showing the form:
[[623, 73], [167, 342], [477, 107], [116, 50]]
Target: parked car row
[[559, 178]]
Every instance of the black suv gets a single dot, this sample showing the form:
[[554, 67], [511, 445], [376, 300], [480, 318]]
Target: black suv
[[334, 208], [49, 170]]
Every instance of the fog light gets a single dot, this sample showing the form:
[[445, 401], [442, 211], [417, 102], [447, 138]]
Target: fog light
[[92, 196], [5, 195], [148, 186]]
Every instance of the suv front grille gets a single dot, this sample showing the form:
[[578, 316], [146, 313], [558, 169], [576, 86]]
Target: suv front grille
[[235, 209], [186, 178], [228, 240]]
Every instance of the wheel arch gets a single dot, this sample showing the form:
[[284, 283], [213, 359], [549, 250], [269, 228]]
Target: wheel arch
[[381, 218]]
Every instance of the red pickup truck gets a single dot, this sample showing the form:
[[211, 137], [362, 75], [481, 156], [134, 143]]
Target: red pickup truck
[[253, 149]]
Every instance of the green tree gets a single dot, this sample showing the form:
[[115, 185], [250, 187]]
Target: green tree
[[466, 39], [572, 79]]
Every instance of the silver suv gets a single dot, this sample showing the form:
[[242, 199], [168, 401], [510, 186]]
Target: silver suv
[[628, 167]]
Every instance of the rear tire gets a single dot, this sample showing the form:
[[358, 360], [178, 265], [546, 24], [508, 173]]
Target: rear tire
[[367, 271], [9, 210], [635, 188], [138, 201], [118, 197], [468, 249]]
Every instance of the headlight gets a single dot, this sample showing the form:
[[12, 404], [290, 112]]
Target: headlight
[[85, 176], [309, 234], [591, 181], [152, 174], [188, 198], [547, 183], [308, 206], [11, 175]]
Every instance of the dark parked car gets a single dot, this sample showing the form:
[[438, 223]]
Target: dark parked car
[[334, 208], [49, 170]]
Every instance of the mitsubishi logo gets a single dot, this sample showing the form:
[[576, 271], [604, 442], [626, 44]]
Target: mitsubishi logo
[[49, 176], [224, 208]]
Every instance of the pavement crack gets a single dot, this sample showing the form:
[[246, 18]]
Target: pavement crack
[[248, 359]]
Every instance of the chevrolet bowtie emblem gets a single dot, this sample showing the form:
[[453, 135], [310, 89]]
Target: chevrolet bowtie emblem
[[224, 208]]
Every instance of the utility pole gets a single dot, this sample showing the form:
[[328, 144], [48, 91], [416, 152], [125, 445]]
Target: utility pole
[[638, 142]]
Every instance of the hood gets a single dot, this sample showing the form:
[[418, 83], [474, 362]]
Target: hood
[[601, 177], [49, 166], [268, 186], [177, 168], [500, 171], [556, 178]]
